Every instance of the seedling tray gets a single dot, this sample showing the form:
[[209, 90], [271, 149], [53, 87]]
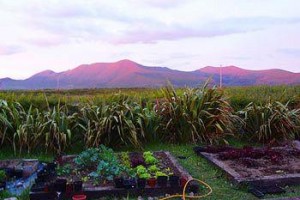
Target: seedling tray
[[110, 190]]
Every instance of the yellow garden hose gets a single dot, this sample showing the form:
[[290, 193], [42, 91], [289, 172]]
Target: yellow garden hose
[[183, 195]]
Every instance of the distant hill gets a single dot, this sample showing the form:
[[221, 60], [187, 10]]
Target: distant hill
[[236, 76], [126, 73]]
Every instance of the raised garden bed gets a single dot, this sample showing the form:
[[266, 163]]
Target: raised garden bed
[[18, 174], [101, 172], [267, 166]]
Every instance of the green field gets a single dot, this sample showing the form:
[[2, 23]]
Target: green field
[[238, 96], [134, 119]]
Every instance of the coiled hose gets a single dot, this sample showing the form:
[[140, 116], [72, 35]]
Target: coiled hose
[[183, 195]]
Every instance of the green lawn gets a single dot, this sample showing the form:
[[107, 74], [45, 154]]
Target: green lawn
[[198, 167]]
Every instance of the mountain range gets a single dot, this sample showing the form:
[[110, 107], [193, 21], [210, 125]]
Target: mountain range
[[126, 73]]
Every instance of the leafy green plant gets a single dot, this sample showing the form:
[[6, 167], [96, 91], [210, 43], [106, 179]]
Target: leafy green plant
[[159, 173], [142, 172], [125, 160], [153, 169], [64, 170], [149, 158], [141, 169], [145, 175], [272, 121], [147, 153], [88, 158]]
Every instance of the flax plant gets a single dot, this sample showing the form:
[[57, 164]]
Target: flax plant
[[198, 115], [272, 121]]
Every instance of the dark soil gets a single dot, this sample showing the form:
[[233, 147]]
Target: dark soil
[[257, 162]]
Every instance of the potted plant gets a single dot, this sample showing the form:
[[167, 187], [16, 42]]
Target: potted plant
[[142, 180], [174, 181], [77, 186], [79, 197], [119, 182], [60, 185], [129, 183], [49, 187], [119, 179], [151, 182], [141, 183], [149, 158], [2, 180], [153, 169], [162, 179], [69, 186]]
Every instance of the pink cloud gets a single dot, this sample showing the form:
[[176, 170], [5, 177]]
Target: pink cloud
[[10, 49]]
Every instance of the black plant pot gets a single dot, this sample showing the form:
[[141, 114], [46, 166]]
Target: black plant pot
[[174, 181], [141, 183], [77, 186], [2, 185], [60, 185], [129, 183], [70, 188], [119, 182], [162, 181], [51, 187]]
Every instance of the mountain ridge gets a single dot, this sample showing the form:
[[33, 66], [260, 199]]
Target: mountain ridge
[[127, 73]]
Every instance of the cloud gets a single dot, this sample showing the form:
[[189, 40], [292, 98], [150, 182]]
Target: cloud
[[46, 41], [129, 22], [10, 49], [290, 51], [147, 33], [163, 4]]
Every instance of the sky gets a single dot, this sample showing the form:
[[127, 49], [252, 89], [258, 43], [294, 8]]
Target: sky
[[37, 35]]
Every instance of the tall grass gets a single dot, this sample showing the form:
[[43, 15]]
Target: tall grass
[[239, 97], [198, 115], [272, 121], [56, 121]]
